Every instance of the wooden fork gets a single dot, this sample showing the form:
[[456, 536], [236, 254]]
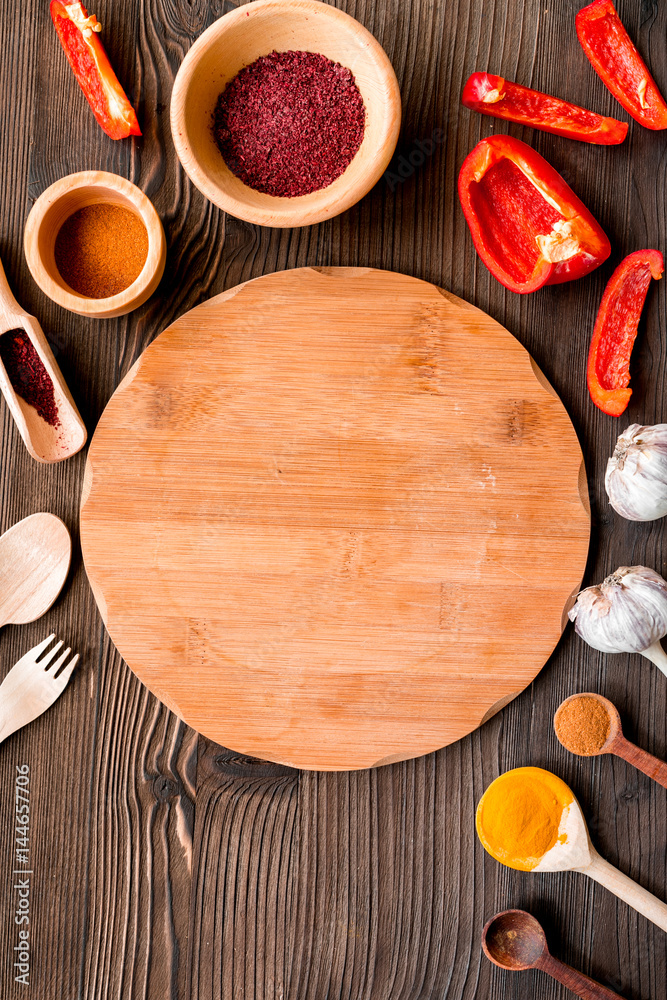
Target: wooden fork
[[32, 685]]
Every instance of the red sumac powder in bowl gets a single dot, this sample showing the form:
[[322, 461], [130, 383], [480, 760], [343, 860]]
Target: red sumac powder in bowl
[[290, 123]]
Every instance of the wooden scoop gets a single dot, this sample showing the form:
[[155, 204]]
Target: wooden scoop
[[44, 442], [617, 744], [34, 561], [514, 940]]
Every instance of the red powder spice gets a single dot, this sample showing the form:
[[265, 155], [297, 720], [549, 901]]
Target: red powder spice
[[290, 123], [28, 376]]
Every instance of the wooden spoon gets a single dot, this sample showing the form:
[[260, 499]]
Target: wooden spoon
[[515, 940], [44, 442], [572, 849], [616, 742], [34, 561]]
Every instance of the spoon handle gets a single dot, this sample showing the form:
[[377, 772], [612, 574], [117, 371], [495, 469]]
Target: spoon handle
[[641, 759], [626, 889], [575, 981]]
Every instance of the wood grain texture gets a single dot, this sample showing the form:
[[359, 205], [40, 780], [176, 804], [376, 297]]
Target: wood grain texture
[[368, 884], [303, 503]]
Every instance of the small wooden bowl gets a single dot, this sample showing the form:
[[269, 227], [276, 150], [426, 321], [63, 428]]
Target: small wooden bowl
[[55, 205], [238, 39]]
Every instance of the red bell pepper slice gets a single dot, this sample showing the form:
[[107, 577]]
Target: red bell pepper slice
[[608, 370], [528, 226], [78, 34], [618, 64], [500, 98]]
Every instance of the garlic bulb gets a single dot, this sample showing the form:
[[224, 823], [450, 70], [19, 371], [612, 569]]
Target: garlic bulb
[[626, 613], [636, 476]]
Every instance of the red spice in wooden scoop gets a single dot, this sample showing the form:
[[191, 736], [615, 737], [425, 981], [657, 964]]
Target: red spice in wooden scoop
[[27, 374], [290, 123]]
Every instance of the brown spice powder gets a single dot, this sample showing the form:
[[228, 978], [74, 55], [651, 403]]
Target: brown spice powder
[[582, 725], [101, 249]]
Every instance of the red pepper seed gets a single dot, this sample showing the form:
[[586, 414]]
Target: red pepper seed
[[290, 123], [28, 376]]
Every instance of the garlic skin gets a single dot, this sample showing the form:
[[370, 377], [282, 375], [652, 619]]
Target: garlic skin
[[636, 476], [626, 613]]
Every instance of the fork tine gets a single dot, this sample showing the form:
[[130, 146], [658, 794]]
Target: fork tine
[[63, 677], [53, 669], [49, 656], [41, 646]]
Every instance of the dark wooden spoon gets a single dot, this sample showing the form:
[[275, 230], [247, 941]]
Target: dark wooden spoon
[[617, 744], [514, 940]]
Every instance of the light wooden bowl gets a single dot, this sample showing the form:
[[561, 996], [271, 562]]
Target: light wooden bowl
[[55, 205], [238, 39]]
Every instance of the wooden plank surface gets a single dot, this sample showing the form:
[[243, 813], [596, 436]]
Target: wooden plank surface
[[165, 866]]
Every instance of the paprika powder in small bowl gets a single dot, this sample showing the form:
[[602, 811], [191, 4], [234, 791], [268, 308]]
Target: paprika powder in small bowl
[[285, 112], [95, 244]]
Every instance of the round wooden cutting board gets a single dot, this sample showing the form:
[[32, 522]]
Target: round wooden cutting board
[[332, 517]]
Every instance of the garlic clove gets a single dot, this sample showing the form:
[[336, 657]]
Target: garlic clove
[[636, 476], [626, 613]]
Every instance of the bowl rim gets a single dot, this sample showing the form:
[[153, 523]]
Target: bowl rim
[[284, 212], [147, 279]]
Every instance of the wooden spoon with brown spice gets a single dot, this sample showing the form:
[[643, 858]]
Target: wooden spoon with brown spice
[[589, 724]]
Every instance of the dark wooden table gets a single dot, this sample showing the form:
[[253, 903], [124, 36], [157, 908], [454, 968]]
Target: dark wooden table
[[166, 866]]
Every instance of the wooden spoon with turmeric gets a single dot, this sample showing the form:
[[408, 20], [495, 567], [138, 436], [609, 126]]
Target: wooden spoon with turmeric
[[589, 725], [530, 820]]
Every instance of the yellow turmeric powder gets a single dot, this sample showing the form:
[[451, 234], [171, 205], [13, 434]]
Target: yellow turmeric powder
[[519, 815]]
